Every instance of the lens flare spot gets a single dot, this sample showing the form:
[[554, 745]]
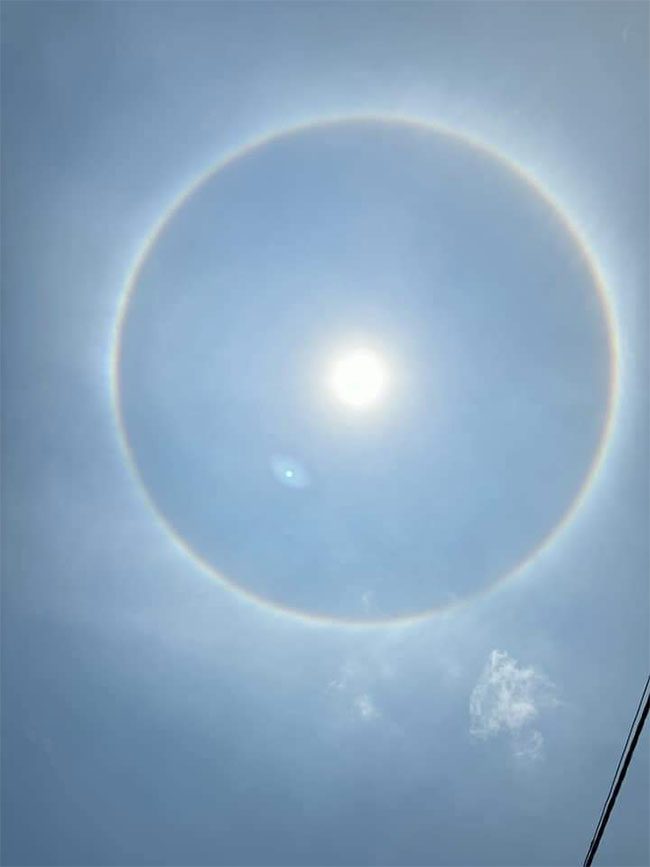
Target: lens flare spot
[[289, 472]]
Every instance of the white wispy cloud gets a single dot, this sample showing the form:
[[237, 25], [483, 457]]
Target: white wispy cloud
[[528, 746], [508, 699], [353, 687], [366, 707]]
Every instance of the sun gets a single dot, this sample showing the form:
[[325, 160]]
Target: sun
[[358, 378]]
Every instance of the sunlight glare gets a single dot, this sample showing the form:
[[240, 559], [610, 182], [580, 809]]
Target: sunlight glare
[[358, 378]]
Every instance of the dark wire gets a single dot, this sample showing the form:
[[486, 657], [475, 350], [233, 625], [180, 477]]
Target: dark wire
[[620, 761], [617, 781]]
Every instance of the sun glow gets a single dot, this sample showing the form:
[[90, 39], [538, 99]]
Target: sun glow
[[358, 379]]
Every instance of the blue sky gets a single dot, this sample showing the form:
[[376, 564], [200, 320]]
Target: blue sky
[[151, 715]]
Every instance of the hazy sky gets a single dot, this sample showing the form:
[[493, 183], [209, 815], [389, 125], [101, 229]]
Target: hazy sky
[[151, 714]]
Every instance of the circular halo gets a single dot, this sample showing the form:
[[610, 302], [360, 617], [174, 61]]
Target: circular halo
[[600, 288]]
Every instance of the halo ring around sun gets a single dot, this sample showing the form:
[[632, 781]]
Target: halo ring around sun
[[599, 287]]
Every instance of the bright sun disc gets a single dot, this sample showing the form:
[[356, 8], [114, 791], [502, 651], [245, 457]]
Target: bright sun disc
[[358, 378]]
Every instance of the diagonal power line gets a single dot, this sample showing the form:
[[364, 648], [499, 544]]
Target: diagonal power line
[[620, 772]]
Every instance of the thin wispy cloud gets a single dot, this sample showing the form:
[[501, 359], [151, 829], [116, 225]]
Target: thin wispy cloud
[[354, 688], [508, 700], [366, 707]]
